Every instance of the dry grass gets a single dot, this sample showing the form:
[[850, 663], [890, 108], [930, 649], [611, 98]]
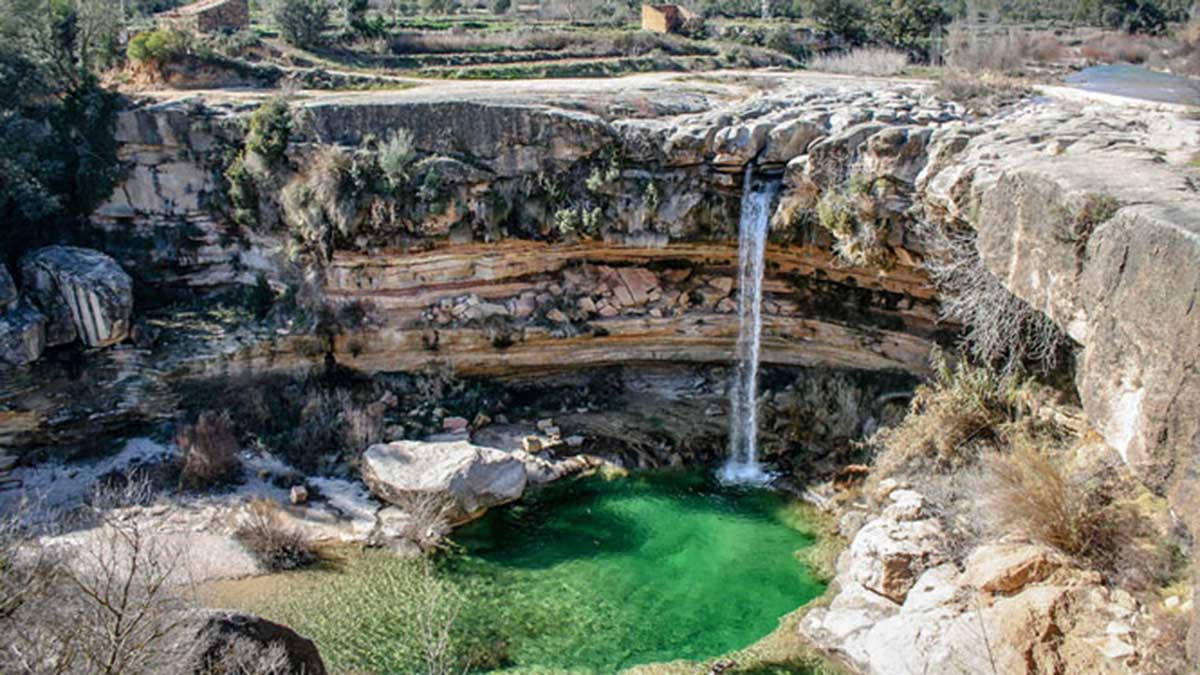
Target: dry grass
[[277, 545], [871, 61], [1032, 493], [1119, 47], [210, 451], [980, 93], [951, 421]]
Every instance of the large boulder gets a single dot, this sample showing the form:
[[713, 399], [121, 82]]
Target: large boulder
[[469, 477], [232, 642], [22, 335], [83, 293]]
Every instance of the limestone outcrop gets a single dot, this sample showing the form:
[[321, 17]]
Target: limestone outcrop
[[83, 293], [468, 478], [903, 607]]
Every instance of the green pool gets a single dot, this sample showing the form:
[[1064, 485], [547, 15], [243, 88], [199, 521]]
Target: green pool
[[590, 576], [609, 574]]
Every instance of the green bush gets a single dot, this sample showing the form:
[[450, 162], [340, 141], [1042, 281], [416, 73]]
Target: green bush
[[301, 22], [910, 25], [158, 46], [396, 158], [270, 130], [845, 19]]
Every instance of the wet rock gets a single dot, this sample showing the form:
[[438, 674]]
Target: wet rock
[[82, 292], [22, 335], [470, 478], [223, 638]]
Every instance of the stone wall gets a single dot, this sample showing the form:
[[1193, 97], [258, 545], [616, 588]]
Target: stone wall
[[210, 16]]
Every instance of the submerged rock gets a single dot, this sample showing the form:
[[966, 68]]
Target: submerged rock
[[224, 640], [82, 292], [469, 477]]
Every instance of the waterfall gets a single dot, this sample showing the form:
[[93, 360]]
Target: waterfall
[[743, 466]]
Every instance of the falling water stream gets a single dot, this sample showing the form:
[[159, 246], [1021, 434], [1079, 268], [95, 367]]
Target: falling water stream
[[743, 466]]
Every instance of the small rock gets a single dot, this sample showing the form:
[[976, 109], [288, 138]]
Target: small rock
[[552, 432], [544, 424], [531, 444], [726, 306], [574, 441], [557, 316], [586, 305], [298, 494], [455, 424], [723, 284]]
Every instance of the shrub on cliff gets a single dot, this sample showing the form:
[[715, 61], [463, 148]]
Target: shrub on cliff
[[1001, 330], [270, 129], [951, 419]]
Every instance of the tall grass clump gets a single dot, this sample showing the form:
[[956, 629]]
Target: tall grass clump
[[871, 61]]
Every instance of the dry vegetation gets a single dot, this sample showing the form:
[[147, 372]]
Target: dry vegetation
[[870, 61], [277, 545], [1001, 329], [114, 600], [209, 451], [1001, 455]]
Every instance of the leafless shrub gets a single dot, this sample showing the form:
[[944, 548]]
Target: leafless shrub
[[976, 50], [871, 61], [440, 606], [1000, 329], [110, 602], [210, 451], [277, 545], [426, 522], [246, 657], [332, 421], [1114, 47]]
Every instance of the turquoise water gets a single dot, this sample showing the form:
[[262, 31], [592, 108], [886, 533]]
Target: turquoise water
[[588, 576], [595, 575]]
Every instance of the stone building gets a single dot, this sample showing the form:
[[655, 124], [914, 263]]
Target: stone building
[[670, 19], [210, 16]]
